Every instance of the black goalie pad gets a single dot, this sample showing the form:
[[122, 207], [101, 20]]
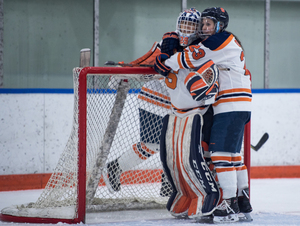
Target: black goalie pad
[[202, 171], [163, 158]]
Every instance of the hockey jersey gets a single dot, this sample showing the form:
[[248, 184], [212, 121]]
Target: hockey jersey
[[234, 83]]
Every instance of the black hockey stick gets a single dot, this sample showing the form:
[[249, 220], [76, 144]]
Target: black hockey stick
[[261, 142], [146, 65], [129, 65]]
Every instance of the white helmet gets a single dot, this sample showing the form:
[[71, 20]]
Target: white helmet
[[188, 26]]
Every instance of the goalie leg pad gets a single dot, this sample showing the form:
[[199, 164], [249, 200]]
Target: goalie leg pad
[[191, 177], [201, 169]]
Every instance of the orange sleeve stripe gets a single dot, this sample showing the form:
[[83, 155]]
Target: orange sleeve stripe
[[151, 101], [228, 40], [179, 61], [156, 93], [187, 60], [231, 100]]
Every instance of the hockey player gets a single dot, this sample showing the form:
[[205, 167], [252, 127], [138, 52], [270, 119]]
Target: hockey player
[[152, 93], [232, 109], [192, 91]]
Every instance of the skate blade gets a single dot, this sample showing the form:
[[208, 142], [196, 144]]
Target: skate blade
[[226, 219], [245, 217], [205, 219]]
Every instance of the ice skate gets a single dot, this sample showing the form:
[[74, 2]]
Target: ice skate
[[227, 211], [245, 206]]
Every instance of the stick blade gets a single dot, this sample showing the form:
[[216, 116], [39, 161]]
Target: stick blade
[[110, 63], [261, 142]]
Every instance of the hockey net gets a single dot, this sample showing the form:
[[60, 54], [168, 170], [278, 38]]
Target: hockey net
[[106, 122]]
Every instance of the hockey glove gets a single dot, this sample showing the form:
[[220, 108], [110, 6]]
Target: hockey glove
[[201, 83], [159, 66], [170, 43]]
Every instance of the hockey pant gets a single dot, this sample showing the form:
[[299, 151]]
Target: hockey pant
[[195, 191]]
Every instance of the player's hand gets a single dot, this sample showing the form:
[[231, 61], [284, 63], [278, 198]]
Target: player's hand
[[159, 65], [170, 43]]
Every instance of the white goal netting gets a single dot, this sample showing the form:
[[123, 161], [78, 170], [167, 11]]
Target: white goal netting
[[111, 160], [119, 115]]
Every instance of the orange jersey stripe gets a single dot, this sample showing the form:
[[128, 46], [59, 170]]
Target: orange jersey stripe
[[238, 90], [232, 100]]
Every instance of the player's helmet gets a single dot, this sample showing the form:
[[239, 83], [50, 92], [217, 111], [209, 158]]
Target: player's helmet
[[188, 26], [218, 15]]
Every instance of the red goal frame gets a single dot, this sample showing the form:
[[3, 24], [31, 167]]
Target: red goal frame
[[82, 108]]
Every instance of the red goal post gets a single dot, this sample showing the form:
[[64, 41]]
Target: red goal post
[[76, 185]]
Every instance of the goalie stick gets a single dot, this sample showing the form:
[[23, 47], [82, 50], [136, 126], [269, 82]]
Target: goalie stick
[[261, 142], [147, 65], [128, 65]]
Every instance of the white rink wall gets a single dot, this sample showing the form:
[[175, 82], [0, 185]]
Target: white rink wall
[[34, 129]]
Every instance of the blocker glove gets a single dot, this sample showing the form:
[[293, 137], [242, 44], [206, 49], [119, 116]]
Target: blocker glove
[[159, 66]]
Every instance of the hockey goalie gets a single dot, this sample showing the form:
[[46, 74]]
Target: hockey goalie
[[188, 100], [195, 191]]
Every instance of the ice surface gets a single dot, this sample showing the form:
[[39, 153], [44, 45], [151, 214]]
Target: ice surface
[[274, 202]]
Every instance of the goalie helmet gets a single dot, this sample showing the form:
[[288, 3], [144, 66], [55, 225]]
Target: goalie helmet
[[220, 18], [188, 26]]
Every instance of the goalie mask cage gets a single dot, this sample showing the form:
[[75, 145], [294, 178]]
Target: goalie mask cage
[[105, 124]]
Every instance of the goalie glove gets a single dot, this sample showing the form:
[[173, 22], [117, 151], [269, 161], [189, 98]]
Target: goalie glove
[[201, 83], [159, 66], [170, 43]]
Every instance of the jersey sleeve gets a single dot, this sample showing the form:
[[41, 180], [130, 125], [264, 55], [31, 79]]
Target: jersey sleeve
[[189, 58]]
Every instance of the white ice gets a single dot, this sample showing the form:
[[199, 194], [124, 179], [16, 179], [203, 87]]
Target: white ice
[[274, 202]]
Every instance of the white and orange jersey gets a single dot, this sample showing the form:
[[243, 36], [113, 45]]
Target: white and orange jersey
[[181, 99], [154, 97], [234, 83]]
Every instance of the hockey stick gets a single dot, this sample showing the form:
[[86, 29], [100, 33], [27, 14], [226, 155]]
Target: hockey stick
[[261, 142], [128, 65], [108, 138], [146, 65]]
